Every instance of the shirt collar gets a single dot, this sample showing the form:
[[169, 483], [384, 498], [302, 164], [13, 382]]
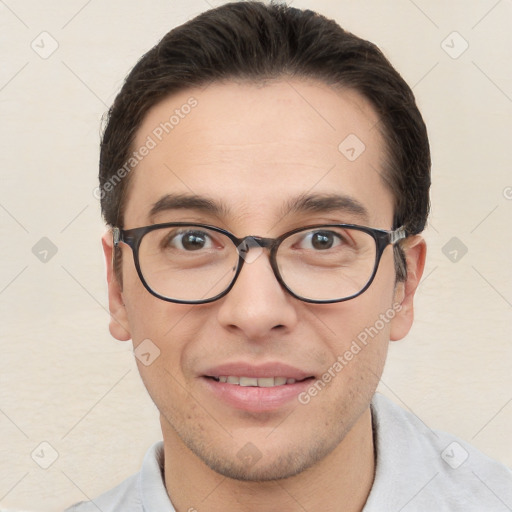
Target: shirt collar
[[153, 492]]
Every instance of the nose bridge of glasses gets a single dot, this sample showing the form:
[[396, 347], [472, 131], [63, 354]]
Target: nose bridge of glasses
[[257, 243], [250, 249]]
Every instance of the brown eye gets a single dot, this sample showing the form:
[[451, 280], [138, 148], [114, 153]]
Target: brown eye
[[320, 240], [190, 241]]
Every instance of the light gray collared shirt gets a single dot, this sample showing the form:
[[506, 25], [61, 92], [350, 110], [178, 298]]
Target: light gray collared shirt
[[417, 470]]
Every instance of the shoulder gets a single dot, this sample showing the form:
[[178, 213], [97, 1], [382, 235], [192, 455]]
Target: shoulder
[[143, 491], [424, 469], [124, 497]]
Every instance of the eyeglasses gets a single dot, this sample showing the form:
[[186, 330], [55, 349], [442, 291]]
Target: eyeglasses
[[198, 263]]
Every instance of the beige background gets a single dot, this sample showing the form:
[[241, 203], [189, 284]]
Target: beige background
[[64, 381]]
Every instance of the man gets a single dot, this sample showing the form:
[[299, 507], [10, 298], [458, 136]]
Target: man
[[265, 175]]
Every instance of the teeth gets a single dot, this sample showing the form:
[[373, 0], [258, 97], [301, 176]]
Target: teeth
[[248, 381], [266, 382], [262, 382]]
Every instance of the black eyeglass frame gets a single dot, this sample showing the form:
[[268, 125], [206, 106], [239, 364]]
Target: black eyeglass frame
[[133, 238]]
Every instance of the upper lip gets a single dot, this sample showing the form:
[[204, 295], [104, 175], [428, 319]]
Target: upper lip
[[241, 369]]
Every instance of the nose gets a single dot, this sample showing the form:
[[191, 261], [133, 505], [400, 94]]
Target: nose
[[257, 306]]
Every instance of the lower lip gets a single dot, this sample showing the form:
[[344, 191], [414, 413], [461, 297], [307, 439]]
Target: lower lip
[[253, 398]]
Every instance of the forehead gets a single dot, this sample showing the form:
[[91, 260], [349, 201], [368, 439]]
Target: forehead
[[254, 150]]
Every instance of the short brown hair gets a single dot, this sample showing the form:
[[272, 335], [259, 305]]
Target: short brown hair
[[253, 41]]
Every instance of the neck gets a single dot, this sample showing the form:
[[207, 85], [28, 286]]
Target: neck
[[339, 482]]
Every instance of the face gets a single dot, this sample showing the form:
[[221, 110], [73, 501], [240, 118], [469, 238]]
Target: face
[[253, 151]]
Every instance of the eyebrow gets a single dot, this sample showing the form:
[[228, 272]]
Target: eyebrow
[[326, 203], [305, 203], [188, 202]]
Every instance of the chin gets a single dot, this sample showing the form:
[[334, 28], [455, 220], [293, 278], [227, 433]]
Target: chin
[[251, 465]]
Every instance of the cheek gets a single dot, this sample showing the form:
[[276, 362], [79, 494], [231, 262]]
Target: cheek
[[149, 317], [370, 312], [356, 362], [362, 347], [163, 335], [361, 330]]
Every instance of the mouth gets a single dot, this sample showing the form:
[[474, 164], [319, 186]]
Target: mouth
[[261, 388], [260, 382]]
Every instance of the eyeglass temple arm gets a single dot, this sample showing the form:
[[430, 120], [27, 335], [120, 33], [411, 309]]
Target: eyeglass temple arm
[[116, 236], [397, 235]]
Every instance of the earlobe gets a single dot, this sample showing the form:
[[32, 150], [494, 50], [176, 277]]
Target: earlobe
[[415, 250], [118, 318]]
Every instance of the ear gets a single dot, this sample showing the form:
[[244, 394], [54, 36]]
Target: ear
[[118, 317], [415, 250]]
